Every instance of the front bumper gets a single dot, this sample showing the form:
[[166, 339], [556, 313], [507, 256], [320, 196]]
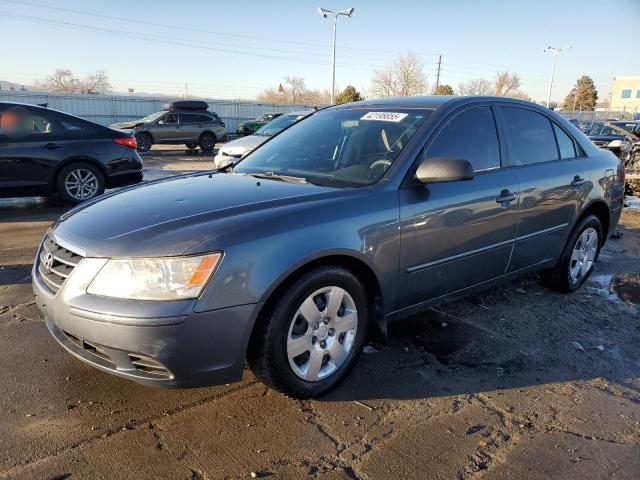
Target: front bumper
[[160, 344]]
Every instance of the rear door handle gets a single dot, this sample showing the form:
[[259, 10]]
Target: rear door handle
[[51, 146], [505, 198], [577, 181]]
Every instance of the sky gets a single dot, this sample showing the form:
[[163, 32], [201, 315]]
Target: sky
[[237, 49]]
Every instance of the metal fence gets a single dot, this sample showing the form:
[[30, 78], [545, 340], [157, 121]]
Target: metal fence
[[108, 109], [600, 115]]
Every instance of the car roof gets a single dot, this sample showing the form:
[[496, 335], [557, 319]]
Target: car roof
[[430, 101]]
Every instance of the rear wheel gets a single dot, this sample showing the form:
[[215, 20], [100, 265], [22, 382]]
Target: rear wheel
[[144, 142], [578, 258], [207, 142], [79, 182], [191, 146], [313, 335]]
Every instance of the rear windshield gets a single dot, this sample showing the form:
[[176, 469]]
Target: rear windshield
[[342, 148]]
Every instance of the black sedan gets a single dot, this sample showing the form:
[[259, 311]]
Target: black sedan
[[44, 152]]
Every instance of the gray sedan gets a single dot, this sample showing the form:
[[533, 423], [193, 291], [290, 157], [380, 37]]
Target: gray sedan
[[353, 217]]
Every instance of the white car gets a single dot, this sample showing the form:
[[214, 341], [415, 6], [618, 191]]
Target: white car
[[233, 151]]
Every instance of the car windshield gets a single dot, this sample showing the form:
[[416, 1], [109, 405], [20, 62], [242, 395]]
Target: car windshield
[[341, 148], [152, 117], [277, 125], [603, 130]]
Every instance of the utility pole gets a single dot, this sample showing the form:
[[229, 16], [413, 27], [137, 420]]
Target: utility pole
[[438, 74], [555, 51], [323, 12]]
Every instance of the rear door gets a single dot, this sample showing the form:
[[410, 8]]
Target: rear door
[[554, 180], [193, 124], [28, 159], [457, 234]]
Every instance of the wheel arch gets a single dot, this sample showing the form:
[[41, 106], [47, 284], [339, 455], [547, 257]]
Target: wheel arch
[[352, 262], [600, 209]]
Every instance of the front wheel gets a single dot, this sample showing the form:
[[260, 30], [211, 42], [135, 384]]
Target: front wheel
[[144, 142], [312, 336], [578, 258], [191, 146]]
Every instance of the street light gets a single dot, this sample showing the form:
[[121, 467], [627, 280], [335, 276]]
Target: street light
[[324, 13], [556, 51]]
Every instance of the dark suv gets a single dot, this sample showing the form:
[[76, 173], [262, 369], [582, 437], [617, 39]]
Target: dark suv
[[44, 152], [354, 216], [187, 122]]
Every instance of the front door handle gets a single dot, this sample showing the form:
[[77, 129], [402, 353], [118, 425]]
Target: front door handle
[[577, 181], [51, 146], [505, 198]]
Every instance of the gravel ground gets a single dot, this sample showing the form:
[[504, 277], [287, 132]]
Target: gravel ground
[[517, 382]]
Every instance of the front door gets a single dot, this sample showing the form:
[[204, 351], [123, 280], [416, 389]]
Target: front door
[[458, 234], [167, 129], [554, 182]]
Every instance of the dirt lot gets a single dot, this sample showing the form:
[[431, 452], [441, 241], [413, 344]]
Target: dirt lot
[[517, 382]]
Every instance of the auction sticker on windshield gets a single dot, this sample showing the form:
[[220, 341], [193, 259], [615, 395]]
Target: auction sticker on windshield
[[384, 116]]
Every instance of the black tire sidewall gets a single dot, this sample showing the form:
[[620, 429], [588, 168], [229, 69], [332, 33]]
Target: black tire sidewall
[[213, 142], [191, 146], [62, 175], [283, 314], [588, 222], [144, 139]]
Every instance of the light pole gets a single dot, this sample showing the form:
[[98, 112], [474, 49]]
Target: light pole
[[555, 51], [323, 12]]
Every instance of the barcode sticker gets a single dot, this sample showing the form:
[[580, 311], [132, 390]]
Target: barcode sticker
[[384, 116]]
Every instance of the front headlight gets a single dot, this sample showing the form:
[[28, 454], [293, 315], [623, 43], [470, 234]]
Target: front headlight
[[614, 144], [169, 278]]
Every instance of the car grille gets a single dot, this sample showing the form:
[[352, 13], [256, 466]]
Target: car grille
[[92, 348], [56, 263]]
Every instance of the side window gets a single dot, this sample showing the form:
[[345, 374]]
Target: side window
[[471, 135], [530, 136], [565, 143], [626, 93], [170, 118], [74, 127]]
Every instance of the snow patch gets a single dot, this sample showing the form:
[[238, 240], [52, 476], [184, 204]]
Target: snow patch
[[599, 284], [632, 202]]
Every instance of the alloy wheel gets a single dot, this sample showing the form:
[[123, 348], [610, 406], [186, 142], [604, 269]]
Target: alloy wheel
[[584, 254], [81, 184], [322, 333]]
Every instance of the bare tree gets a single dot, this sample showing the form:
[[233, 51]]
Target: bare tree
[[404, 77], [506, 84], [295, 90], [63, 81], [478, 86], [95, 83]]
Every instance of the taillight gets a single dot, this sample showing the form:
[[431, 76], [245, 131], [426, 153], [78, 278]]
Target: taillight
[[127, 142]]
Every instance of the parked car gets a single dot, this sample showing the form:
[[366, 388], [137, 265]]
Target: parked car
[[630, 158], [236, 149], [604, 135], [247, 128], [354, 216], [186, 121], [46, 152]]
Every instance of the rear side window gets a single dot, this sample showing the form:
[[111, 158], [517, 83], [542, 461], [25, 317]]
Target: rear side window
[[565, 143], [194, 118], [471, 135], [530, 136]]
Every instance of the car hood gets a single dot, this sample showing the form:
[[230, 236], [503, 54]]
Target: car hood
[[169, 216], [126, 125], [242, 145]]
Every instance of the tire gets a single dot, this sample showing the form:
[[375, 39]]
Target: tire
[[579, 247], [191, 146], [332, 347], [207, 142], [144, 141], [79, 182]]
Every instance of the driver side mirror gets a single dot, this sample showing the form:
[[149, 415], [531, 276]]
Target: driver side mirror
[[444, 169]]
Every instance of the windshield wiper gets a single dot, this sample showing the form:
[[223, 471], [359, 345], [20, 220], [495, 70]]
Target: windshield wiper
[[278, 177]]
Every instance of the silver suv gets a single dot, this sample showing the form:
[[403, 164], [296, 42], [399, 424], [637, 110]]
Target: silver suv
[[187, 122]]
